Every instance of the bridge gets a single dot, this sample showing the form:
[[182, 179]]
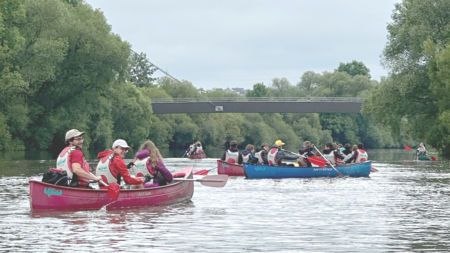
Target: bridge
[[257, 105]]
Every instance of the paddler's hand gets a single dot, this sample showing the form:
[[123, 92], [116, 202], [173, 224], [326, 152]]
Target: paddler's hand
[[147, 178], [97, 178]]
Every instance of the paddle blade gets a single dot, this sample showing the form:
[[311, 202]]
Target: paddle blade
[[372, 169], [408, 148], [202, 172], [214, 180], [113, 190], [433, 158], [317, 161]]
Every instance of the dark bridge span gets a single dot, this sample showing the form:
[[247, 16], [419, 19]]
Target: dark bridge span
[[257, 105]]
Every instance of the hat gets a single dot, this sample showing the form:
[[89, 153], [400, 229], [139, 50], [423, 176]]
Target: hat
[[279, 143], [120, 143], [73, 133]]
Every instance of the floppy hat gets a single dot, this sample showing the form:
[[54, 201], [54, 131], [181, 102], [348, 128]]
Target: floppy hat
[[73, 133], [120, 143], [279, 143]]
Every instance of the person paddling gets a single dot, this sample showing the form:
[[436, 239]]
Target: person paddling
[[421, 152], [72, 160], [149, 162], [331, 154], [277, 154], [232, 155], [306, 152], [112, 168]]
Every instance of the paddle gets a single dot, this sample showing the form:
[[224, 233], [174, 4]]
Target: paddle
[[314, 160], [202, 172], [211, 181], [339, 173], [113, 189], [410, 149], [372, 169]]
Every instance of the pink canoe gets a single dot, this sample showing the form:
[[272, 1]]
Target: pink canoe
[[54, 197], [197, 156], [230, 169]]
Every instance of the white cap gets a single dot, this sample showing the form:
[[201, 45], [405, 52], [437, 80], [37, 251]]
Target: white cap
[[73, 133], [120, 143]]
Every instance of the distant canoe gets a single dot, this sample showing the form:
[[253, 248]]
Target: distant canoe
[[229, 169], [265, 171], [197, 156], [55, 197]]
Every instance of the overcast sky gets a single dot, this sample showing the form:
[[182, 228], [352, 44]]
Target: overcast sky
[[220, 44]]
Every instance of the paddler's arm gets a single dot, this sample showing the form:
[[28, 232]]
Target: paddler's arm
[[81, 173]]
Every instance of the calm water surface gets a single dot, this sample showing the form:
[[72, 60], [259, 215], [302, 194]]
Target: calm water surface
[[402, 208]]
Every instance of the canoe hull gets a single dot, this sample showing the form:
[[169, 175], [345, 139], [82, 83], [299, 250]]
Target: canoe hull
[[197, 156], [264, 171], [54, 197], [229, 169]]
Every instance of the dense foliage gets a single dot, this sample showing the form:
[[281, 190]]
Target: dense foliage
[[61, 67]]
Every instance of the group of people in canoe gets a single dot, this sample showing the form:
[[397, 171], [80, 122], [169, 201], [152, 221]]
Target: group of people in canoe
[[147, 166], [275, 155], [195, 148]]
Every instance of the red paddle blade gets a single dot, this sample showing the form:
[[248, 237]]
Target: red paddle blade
[[113, 190], [372, 169], [433, 158], [408, 148], [202, 172], [317, 161]]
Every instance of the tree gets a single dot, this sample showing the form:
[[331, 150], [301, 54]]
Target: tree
[[354, 68], [259, 90], [141, 70]]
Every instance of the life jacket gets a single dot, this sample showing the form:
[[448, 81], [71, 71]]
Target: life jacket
[[232, 157], [62, 162], [103, 170], [330, 157], [141, 169], [246, 157], [259, 155], [199, 150], [272, 157], [362, 156], [302, 162]]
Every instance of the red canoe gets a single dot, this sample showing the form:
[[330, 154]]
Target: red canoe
[[55, 197], [230, 169], [197, 156]]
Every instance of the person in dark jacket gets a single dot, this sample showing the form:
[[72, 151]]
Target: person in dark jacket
[[306, 152], [277, 154], [248, 155], [261, 153], [331, 154], [232, 155]]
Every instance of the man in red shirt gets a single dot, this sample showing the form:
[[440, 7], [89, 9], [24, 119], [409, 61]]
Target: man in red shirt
[[112, 167], [71, 159]]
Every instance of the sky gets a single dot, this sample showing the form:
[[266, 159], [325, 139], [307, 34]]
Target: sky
[[238, 43]]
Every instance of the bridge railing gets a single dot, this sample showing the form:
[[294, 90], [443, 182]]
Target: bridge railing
[[258, 99]]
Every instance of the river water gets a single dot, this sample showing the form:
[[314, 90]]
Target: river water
[[402, 208]]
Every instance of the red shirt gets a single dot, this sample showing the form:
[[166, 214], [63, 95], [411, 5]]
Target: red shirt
[[76, 157]]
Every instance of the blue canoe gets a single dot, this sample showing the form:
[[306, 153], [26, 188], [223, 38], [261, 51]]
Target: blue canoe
[[266, 171]]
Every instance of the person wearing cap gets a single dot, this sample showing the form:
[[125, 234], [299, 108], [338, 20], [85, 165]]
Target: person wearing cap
[[72, 160], [232, 155], [112, 168], [277, 154]]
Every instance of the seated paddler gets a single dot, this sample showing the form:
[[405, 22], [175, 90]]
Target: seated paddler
[[248, 155], [149, 162], [112, 168], [232, 155], [276, 154], [332, 155], [261, 153], [72, 160]]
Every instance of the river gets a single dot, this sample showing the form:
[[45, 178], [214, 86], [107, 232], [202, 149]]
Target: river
[[402, 208]]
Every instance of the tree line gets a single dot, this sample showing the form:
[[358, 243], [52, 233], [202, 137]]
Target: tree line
[[61, 67]]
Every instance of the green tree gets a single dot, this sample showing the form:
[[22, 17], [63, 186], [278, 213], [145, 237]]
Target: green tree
[[141, 70], [354, 68], [259, 90], [177, 89]]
